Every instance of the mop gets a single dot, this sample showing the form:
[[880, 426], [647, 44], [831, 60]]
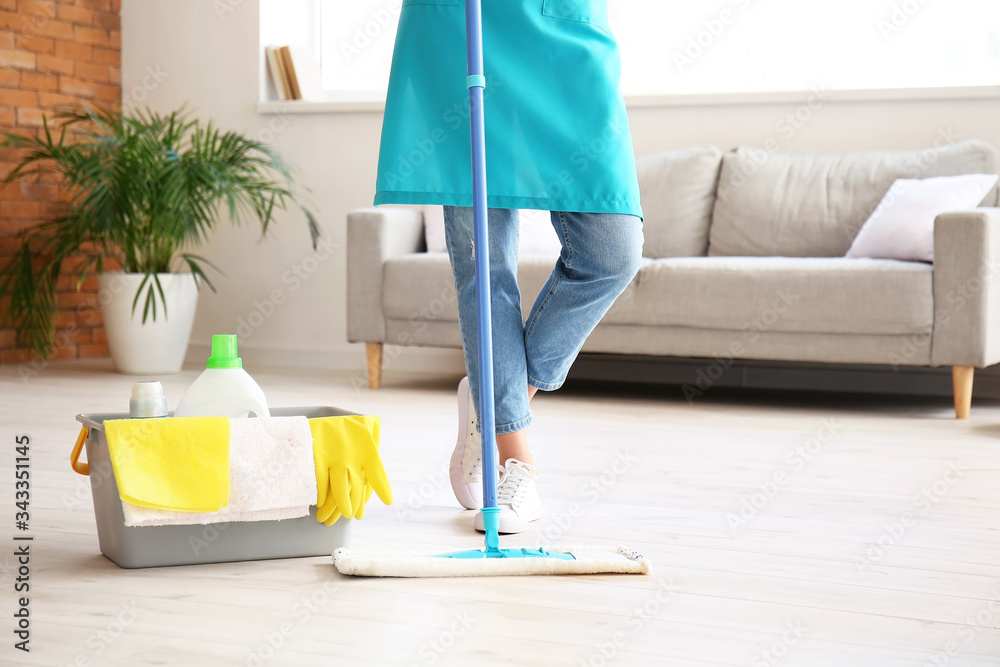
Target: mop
[[492, 560]]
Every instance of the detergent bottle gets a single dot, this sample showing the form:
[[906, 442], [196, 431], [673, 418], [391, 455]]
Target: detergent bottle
[[223, 389]]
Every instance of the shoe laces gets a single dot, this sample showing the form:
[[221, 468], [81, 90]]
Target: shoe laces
[[515, 479]]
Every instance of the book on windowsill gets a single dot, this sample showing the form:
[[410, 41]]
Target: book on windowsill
[[295, 73], [305, 74], [275, 65]]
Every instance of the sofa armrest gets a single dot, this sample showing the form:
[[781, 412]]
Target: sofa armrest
[[373, 236], [967, 289]]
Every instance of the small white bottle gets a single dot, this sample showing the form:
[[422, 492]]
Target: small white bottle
[[148, 400], [223, 389]]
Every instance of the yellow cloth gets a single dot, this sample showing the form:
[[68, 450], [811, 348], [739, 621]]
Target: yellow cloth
[[171, 463], [348, 466]]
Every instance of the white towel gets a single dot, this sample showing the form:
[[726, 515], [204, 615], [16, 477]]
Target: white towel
[[271, 476]]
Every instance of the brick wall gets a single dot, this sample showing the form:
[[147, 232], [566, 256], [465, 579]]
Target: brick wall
[[53, 53]]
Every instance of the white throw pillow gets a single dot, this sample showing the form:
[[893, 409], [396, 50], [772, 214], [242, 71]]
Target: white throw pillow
[[434, 229], [902, 226], [536, 236]]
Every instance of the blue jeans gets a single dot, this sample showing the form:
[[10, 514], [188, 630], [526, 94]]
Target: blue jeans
[[600, 255]]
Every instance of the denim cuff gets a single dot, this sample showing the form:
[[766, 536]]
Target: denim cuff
[[519, 425], [543, 386]]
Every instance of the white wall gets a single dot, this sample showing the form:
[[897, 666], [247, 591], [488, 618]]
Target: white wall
[[211, 62]]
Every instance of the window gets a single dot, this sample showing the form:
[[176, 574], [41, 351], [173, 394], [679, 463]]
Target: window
[[675, 47], [774, 45], [358, 36]]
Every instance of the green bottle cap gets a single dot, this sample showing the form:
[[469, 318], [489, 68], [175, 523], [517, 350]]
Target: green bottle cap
[[224, 352]]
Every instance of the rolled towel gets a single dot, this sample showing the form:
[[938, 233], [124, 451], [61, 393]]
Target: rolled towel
[[271, 476]]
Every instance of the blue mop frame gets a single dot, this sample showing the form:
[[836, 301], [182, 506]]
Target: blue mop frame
[[476, 82]]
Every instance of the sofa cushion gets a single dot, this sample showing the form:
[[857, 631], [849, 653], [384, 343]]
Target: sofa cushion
[[780, 294], [678, 193], [902, 227], [419, 287], [813, 205]]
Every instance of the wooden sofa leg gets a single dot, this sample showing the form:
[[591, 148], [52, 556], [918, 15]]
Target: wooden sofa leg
[[961, 377], [374, 351]]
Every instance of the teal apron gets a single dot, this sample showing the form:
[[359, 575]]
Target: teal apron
[[557, 134]]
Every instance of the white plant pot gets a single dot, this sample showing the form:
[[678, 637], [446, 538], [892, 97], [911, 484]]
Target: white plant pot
[[156, 347]]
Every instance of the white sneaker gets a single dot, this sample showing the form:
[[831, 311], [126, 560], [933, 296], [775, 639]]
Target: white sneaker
[[517, 498], [467, 459]]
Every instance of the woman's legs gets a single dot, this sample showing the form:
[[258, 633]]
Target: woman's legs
[[601, 253], [510, 384], [514, 445], [600, 256]]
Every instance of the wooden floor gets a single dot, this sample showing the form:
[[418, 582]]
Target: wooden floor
[[785, 529]]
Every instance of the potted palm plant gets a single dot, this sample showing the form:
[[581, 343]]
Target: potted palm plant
[[143, 191]]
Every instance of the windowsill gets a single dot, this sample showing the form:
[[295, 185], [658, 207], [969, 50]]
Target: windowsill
[[798, 96], [362, 103], [347, 105]]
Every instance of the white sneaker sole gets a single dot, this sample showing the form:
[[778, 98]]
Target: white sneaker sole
[[470, 495], [509, 522]]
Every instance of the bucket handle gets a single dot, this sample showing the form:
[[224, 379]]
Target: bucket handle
[[74, 457]]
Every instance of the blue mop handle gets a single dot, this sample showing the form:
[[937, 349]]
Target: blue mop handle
[[476, 82]]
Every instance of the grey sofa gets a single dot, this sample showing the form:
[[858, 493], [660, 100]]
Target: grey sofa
[[744, 259]]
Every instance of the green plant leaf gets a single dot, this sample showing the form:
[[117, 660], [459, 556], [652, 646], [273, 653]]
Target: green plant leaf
[[163, 297], [142, 188], [138, 294]]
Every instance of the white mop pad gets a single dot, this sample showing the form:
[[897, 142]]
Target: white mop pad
[[589, 560]]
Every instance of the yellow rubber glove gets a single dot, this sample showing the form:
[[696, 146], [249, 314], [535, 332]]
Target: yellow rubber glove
[[348, 489], [348, 466], [329, 513]]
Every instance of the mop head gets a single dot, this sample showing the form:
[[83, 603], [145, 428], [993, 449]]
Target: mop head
[[564, 560]]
